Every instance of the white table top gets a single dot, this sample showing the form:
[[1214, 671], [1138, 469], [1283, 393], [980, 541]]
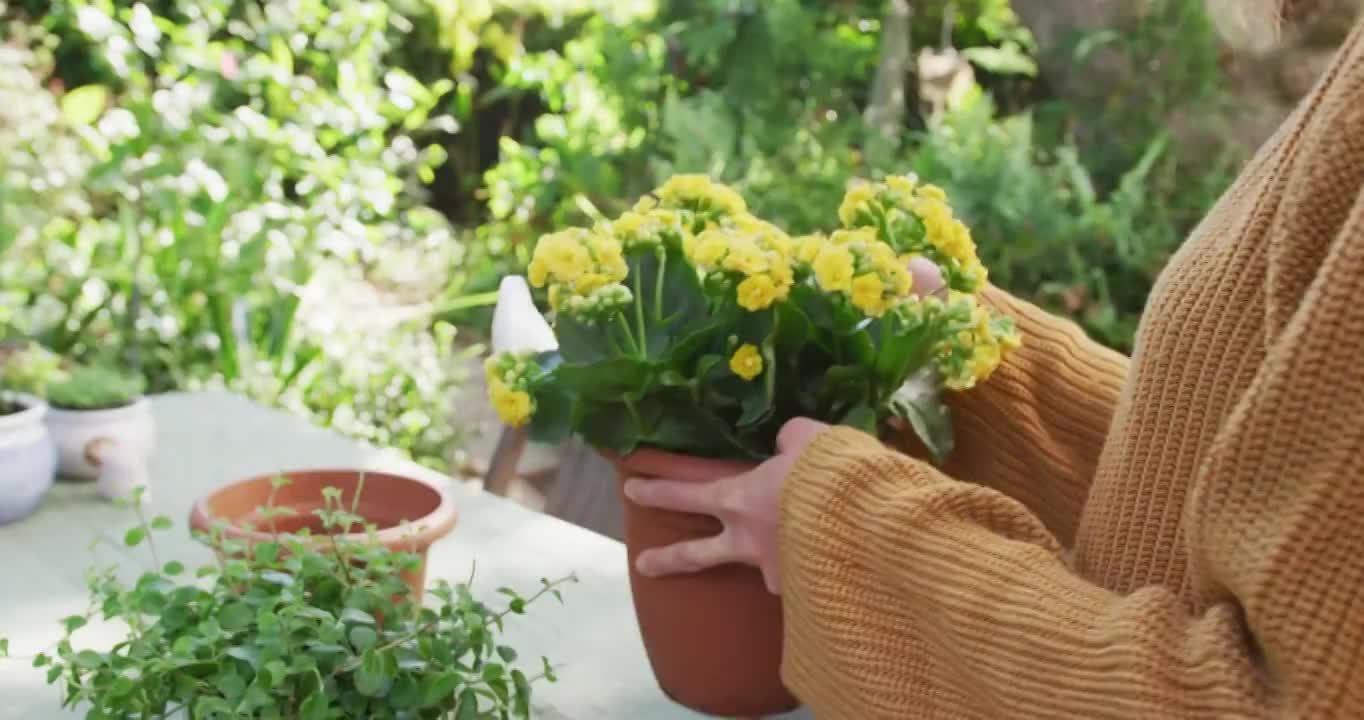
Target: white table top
[[207, 439]]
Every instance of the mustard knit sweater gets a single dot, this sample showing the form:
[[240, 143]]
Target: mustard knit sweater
[[1178, 535]]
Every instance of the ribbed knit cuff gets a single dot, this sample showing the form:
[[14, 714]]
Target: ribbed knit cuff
[[830, 469]]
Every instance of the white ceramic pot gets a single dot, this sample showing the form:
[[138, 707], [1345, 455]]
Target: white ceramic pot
[[111, 446], [28, 461]]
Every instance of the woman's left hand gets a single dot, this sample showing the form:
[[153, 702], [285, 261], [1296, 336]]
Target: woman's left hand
[[746, 504]]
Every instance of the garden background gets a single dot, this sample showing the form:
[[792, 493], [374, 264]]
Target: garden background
[[309, 202]]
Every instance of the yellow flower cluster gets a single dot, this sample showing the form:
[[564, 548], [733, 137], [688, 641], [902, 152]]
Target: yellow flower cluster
[[699, 193], [977, 351], [508, 378], [583, 268], [752, 249], [858, 264], [887, 205], [949, 235]]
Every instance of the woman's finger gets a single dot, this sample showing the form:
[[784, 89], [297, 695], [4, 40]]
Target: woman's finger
[[688, 557], [693, 497], [927, 276]]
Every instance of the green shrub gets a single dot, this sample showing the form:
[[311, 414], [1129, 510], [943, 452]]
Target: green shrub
[[95, 388]]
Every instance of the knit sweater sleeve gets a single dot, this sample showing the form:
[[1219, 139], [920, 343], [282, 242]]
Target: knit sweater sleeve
[[1034, 430], [909, 594]]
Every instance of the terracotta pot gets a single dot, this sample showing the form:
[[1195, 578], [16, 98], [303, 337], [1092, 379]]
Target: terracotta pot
[[409, 514], [714, 638]]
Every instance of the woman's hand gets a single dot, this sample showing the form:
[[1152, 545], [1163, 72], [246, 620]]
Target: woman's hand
[[746, 504]]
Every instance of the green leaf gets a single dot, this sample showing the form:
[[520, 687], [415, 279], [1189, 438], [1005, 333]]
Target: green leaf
[[83, 105], [89, 660], [39, 660], [371, 678], [606, 380], [173, 568], [314, 706], [73, 623], [235, 616], [468, 705], [406, 692], [280, 54], [363, 638], [919, 401], [356, 615], [161, 522], [266, 553], [134, 536], [245, 653], [507, 654], [437, 688], [4, 647], [861, 417]]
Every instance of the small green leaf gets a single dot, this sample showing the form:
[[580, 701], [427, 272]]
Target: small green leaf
[[363, 638], [370, 678], [4, 647], [468, 705], [53, 673], [245, 653], [134, 536], [267, 553], [161, 522], [356, 615], [235, 616], [83, 105], [173, 568], [280, 481], [438, 687], [39, 660], [277, 671], [73, 623], [89, 659], [314, 706], [507, 654], [205, 571]]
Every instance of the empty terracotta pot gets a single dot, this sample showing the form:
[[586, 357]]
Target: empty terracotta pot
[[408, 514], [714, 638]]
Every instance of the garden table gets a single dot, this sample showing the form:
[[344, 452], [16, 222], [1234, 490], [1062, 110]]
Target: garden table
[[207, 439]]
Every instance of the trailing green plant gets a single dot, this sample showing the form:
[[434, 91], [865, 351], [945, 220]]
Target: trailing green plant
[[301, 626], [95, 388]]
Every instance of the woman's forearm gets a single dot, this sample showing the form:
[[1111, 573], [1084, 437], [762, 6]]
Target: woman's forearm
[[1034, 430]]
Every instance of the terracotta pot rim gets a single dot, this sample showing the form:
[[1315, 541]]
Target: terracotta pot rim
[[650, 462], [419, 532]]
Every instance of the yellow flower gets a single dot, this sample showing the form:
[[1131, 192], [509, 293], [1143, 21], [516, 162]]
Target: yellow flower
[[513, 407], [866, 294], [903, 186], [709, 247], [863, 235], [834, 268], [783, 277], [901, 281], [746, 257], [610, 258], [985, 358], [538, 271], [857, 199], [808, 247], [700, 189], [590, 282], [492, 370], [563, 254], [932, 192], [746, 362], [757, 293]]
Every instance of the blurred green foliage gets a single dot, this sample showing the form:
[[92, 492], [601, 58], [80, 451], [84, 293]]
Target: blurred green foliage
[[296, 198]]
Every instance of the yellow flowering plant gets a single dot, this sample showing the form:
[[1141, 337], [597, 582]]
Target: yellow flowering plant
[[688, 324]]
